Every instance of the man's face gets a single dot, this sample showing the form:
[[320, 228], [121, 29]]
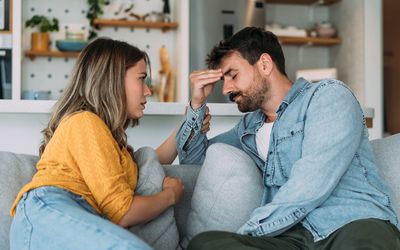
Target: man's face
[[243, 83]]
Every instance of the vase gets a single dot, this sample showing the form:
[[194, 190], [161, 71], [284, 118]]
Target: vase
[[40, 41]]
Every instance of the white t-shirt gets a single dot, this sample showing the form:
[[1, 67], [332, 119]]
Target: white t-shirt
[[262, 139]]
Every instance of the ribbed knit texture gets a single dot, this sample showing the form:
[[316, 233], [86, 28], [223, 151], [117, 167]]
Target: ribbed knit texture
[[84, 158]]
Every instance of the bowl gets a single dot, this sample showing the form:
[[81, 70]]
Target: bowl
[[71, 45], [326, 31]]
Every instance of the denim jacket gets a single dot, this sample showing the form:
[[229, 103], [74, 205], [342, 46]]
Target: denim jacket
[[320, 169]]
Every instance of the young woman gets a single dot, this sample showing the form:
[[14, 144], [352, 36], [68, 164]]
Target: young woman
[[83, 193]]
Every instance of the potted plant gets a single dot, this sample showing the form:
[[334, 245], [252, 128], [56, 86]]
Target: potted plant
[[40, 40]]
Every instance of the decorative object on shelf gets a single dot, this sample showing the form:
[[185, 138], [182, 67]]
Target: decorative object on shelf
[[71, 35], [291, 31], [166, 12], [71, 45], [40, 40], [118, 9], [95, 10], [166, 90], [325, 29], [73, 42], [316, 75]]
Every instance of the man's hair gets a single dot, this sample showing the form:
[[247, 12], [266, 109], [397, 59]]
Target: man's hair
[[250, 42]]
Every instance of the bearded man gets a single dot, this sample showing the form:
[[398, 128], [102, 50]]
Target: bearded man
[[322, 189]]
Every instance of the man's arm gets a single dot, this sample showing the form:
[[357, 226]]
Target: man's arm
[[332, 134]]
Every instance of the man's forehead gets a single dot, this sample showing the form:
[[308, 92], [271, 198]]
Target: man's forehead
[[230, 61]]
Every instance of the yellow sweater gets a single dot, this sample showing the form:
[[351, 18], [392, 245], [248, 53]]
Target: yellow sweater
[[84, 158]]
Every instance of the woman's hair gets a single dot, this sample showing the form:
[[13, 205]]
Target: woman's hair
[[97, 85]]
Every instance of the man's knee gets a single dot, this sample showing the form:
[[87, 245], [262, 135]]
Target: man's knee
[[208, 240], [367, 234]]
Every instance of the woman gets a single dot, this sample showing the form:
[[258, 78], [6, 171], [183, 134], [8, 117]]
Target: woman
[[83, 194]]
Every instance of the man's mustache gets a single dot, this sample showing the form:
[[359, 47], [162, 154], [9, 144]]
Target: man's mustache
[[233, 95]]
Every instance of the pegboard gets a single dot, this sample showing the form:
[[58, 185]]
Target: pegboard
[[52, 74]]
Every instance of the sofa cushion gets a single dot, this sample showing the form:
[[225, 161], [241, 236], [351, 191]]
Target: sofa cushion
[[387, 155], [229, 187], [188, 174], [161, 233], [15, 171]]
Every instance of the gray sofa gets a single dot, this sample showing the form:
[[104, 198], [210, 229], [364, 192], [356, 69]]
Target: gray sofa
[[17, 169]]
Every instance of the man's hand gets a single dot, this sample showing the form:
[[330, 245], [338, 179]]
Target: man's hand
[[202, 84]]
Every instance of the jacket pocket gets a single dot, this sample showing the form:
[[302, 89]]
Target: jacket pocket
[[289, 147]]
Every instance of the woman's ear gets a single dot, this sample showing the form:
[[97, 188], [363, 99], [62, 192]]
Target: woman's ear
[[265, 64]]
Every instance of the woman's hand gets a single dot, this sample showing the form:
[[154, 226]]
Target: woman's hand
[[175, 185], [205, 127]]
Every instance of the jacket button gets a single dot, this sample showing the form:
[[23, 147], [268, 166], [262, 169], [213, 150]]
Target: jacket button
[[292, 133], [270, 152]]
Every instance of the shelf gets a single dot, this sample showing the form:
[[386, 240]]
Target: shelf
[[304, 2], [32, 54], [5, 32], [135, 24], [287, 40]]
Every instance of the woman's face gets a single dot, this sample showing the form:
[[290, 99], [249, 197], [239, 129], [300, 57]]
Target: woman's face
[[136, 89]]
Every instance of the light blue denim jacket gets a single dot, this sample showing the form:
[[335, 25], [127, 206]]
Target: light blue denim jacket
[[320, 169]]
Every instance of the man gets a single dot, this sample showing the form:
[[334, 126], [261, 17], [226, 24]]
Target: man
[[322, 188]]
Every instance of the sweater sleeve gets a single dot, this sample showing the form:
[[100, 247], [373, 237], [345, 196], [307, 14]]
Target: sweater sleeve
[[98, 157]]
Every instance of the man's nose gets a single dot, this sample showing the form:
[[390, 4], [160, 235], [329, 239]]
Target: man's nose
[[227, 87]]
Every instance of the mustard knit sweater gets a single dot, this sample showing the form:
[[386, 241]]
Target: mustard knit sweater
[[84, 158]]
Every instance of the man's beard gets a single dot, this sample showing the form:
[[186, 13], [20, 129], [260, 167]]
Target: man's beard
[[254, 99]]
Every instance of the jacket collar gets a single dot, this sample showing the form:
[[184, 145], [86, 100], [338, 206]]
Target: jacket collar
[[298, 87]]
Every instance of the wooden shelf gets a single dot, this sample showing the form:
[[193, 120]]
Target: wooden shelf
[[32, 54], [6, 32], [304, 2], [135, 24], [288, 40]]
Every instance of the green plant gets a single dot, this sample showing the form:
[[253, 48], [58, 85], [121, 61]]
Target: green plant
[[95, 10], [43, 23]]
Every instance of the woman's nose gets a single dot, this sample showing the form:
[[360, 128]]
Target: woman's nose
[[147, 90]]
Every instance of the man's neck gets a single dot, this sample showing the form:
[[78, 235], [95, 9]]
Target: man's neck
[[279, 88]]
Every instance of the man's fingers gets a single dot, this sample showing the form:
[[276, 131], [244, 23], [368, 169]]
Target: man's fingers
[[205, 82], [205, 71]]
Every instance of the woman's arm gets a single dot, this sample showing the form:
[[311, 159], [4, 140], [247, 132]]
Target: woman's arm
[[146, 208], [167, 150]]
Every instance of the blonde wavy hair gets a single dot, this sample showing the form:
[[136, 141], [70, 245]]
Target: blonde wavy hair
[[97, 85]]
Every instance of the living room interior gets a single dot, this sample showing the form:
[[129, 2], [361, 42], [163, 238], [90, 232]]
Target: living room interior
[[355, 41]]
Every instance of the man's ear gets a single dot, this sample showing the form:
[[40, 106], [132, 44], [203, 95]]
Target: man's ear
[[265, 64]]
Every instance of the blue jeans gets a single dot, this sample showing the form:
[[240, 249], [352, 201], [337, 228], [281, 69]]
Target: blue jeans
[[54, 218]]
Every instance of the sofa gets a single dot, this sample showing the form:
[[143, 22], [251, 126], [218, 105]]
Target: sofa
[[17, 169]]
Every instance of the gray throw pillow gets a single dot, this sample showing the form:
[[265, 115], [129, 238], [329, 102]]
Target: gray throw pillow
[[15, 171], [162, 232], [228, 189]]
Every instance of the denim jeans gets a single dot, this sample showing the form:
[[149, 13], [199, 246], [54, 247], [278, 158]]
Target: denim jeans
[[53, 218]]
